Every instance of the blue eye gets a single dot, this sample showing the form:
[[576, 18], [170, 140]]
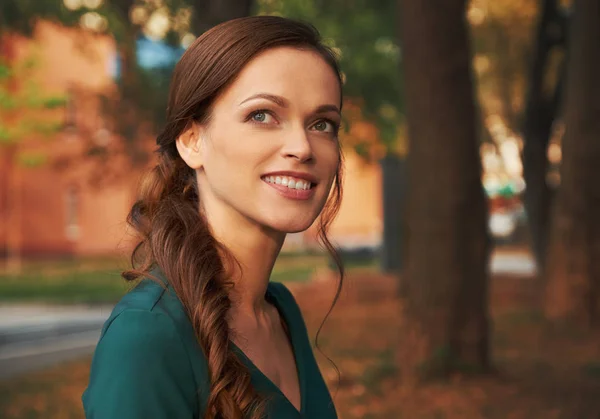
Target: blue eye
[[325, 126], [259, 117]]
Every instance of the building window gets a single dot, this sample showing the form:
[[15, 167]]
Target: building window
[[72, 212]]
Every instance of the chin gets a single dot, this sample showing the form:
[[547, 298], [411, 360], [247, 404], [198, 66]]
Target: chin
[[290, 226]]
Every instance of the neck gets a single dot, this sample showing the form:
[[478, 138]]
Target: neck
[[255, 250]]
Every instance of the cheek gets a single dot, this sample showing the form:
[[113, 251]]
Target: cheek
[[232, 160], [329, 157], [226, 152]]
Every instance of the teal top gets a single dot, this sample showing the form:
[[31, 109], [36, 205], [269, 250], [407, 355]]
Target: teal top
[[148, 363]]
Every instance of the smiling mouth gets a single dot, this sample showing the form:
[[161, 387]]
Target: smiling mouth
[[289, 182]]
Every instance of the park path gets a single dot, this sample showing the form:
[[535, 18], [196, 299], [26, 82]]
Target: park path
[[36, 336], [512, 262]]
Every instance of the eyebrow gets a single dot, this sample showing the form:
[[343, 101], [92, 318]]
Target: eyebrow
[[278, 100], [328, 108], [284, 103]]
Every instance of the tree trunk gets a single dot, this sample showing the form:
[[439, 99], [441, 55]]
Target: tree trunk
[[573, 263], [540, 113], [446, 273], [393, 176]]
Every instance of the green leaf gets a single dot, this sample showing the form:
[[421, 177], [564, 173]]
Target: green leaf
[[55, 102], [7, 101], [5, 136], [31, 159], [46, 128], [5, 72], [30, 63]]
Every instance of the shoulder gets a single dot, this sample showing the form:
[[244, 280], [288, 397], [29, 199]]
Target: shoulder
[[149, 318], [281, 292], [135, 323], [147, 295], [153, 303], [144, 353], [144, 325]]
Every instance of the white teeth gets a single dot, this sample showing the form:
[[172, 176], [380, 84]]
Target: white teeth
[[289, 182]]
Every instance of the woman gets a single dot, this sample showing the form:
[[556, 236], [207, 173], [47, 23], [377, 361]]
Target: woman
[[249, 153]]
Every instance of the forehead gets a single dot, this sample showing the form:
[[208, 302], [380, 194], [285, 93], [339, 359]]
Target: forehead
[[301, 76]]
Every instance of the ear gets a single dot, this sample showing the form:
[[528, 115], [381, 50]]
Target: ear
[[189, 145]]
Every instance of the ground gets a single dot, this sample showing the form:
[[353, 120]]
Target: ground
[[98, 280], [541, 372]]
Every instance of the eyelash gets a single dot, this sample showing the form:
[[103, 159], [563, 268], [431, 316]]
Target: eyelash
[[252, 114]]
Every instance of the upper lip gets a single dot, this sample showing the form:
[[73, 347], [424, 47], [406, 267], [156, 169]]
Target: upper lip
[[299, 175]]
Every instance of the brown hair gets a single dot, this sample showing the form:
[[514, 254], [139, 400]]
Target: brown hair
[[173, 234]]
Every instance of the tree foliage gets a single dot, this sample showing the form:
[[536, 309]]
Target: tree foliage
[[21, 15], [141, 93], [502, 34], [364, 34], [22, 107]]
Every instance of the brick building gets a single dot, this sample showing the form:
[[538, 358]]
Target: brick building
[[49, 212]]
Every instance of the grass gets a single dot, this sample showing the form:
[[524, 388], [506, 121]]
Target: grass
[[543, 372], [98, 280], [87, 280], [72, 287]]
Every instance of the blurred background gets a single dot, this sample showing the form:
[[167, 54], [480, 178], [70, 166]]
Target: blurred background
[[469, 226]]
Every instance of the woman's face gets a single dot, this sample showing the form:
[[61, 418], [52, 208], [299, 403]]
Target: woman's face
[[269, 153]]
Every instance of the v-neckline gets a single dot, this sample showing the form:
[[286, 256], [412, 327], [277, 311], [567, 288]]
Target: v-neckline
[[296, 352]]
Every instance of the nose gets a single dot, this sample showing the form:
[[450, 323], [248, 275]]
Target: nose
[[297, 146]]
